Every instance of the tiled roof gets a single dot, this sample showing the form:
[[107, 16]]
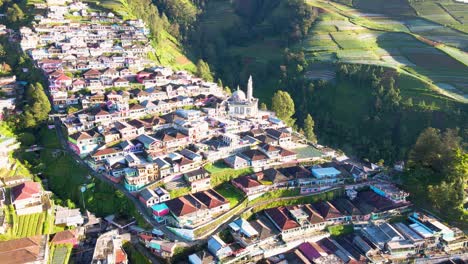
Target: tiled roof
[[106, 151], [63, 236], [23, 250], [181, 206], [268, 147], [314, 216], [277, 134], [246, 182], [281, 218], [254, 155], [210, 198], [196, 172], [26, 190], [284, 152], [327, 210]]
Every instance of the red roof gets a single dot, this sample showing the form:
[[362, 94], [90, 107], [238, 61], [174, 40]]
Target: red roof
[[26, 190], [92, 72], [281, 218], [180, 206], [120, 256], [121, 80], [327, 210], [78, 81], [106, 151], [67, 236], [63, 77], [246, 182]]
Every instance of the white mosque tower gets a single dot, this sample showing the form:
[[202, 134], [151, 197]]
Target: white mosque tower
[[250, 89], [243, 106]]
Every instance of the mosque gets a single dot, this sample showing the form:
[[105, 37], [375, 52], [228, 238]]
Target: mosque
[[243, 106]]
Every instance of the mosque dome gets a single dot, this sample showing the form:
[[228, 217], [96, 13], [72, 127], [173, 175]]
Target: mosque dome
[[238, 96]]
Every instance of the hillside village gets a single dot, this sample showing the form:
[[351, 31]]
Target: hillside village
[[211, 169]]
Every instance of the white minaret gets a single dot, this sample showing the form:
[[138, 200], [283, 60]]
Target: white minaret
[[250, 89]]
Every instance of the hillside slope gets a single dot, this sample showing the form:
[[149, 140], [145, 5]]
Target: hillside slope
[[227, 39]]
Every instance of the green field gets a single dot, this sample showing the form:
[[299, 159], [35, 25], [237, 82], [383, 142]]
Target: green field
[[29, 225], [60, 254], [232, 194], [339, 230], [405, 42], [221, 173]]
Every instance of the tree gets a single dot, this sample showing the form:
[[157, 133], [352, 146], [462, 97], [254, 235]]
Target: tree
[[203, 71], [283, 105], [14, 14], [309, 129], [27, 139], [38, 107], [263, 107], [227, 90], [438, 171]]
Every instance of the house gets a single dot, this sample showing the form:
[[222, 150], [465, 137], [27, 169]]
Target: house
[[201, 257], [194, 209], [108, 249], [199, 180], [106, 153], [276, 178], [255, 158], [83, 143], [329, 212], [27, 198], [251, 187], [187, 211], [218, 247], [33, 249], [191, 155], [161, 248], [121, 82], [148, 197], [215, 202], [296, 221], [65, 237], [271, 151], [355, 171], [128, 131], [151, 197], [149, 143], [323, 178], [281, 219], [163, 194], [282, 138], [236, 162], [68, 217]]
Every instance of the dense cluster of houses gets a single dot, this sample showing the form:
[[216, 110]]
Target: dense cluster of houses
[[296, 234], [94, 52], [155, 130], [143, 145]]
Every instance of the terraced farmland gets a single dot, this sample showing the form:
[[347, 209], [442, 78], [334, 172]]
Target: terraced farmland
[[423, 49], [28, 225]]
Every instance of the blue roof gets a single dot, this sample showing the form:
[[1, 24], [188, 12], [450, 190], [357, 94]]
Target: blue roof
[[159, 207], [325, 172], [214, 244]]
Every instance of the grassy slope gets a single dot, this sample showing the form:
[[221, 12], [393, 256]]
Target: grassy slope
[[169, 52]]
